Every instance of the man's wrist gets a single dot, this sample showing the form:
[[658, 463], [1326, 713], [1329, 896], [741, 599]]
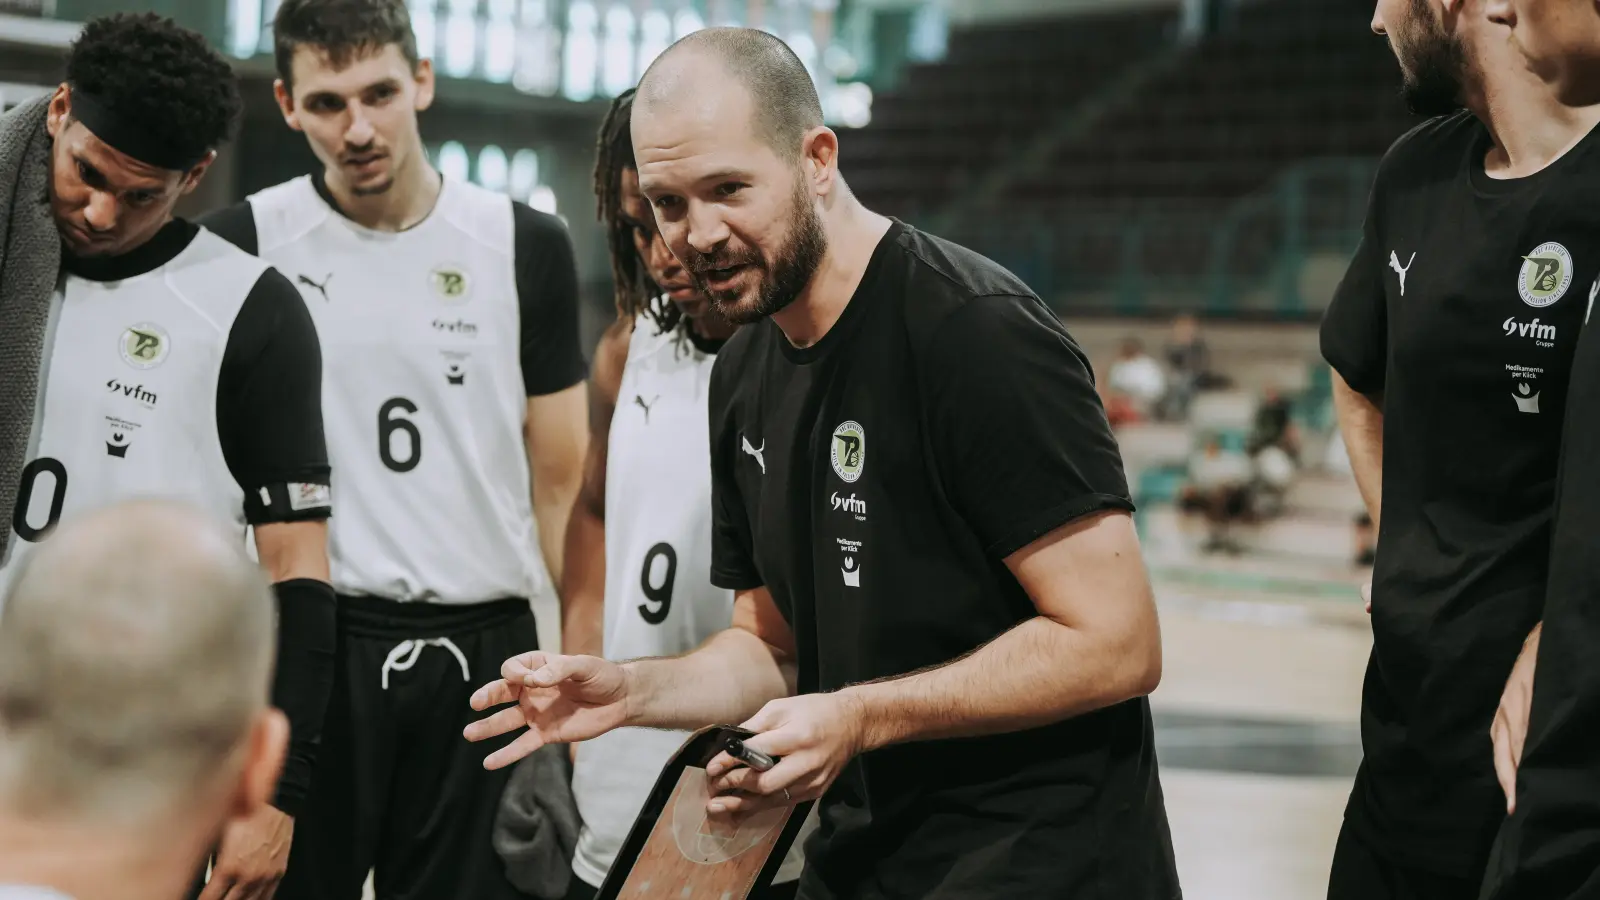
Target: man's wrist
[[632, 687], [869, 719]]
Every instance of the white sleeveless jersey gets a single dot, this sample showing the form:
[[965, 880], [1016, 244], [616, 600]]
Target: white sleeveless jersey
[[423, 394], [128, 393], [659, 599]]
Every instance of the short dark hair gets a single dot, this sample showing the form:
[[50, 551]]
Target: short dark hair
[[159, 74], [342, 29], [632, 287], [781, 90]]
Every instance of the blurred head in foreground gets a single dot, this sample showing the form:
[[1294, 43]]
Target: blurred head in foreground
[[136, 650]]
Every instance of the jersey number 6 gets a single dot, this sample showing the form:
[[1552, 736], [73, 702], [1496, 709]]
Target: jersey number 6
[[660, 597], [30, 475], [389, 421]]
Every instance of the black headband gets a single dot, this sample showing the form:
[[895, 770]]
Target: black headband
[[176, 152]]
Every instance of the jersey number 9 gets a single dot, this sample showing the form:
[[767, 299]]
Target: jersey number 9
[[390, 421], [660, 598]]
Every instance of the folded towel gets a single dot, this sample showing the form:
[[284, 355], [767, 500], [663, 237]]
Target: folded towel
[[30, 262]]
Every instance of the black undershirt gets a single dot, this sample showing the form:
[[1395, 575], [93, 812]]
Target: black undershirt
[[269, 400]]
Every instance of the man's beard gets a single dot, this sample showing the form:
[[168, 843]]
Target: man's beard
[[1436, 63], [783, 281]]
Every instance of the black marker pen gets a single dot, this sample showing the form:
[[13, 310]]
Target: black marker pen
[[753, 758]]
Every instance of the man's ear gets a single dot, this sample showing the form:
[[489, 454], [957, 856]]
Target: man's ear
[[191, 179], [60, 111], [819, 153], [425, 84], [285, 98]]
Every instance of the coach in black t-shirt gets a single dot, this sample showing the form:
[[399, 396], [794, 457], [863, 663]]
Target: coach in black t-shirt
[[1452, 335], [911, 474]]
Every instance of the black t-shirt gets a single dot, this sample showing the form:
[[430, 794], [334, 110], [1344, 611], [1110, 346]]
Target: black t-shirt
[[269, 389], [547, 287], [1550, 847], [874, 482], [1461, 309]]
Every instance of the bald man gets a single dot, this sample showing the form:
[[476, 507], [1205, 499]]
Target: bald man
[[942, 623], [136, 653]]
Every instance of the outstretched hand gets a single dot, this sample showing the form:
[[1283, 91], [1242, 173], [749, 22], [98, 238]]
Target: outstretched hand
[[560, 699]]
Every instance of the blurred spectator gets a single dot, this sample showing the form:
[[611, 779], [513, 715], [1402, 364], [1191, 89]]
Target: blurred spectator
[[1137, 377], [1274, 427], [1366, 540], [1219, 490], [1189, 365]]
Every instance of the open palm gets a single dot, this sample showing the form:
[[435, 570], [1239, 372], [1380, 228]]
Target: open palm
[[560, 699]]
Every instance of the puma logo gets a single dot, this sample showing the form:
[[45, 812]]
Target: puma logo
[[755, 452], [321, 288], [1394, 263], [639, 399]]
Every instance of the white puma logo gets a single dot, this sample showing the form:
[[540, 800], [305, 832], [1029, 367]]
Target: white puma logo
[[1394, 263], [755, 452]]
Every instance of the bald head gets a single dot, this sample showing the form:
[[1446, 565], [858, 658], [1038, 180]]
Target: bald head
[[782, 100], [136, 649]]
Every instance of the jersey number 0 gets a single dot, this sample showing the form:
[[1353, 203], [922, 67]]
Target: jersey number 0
[[58, 499]]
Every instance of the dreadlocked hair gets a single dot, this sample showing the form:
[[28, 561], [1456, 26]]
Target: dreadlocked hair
[[633, 289]]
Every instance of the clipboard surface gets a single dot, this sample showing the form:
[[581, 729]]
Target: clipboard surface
[[673, 853]]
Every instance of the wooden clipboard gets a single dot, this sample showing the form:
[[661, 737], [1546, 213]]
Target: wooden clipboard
[[673, 853]]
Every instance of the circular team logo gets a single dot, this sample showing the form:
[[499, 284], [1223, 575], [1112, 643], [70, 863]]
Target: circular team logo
[[849, 450], [144, 346], [1545, 276], [450, 283]]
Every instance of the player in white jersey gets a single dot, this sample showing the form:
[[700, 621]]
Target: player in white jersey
[[448, 319], [176, 366], [638, 579]]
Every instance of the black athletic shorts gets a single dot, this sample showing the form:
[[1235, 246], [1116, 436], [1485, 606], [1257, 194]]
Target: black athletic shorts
[[398, 790]]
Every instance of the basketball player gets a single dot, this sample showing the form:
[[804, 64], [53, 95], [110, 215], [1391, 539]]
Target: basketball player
[[1452, 337], [120, 791], [922, 513], [448, 315], [1549, 845], [178, 366], [639, 543]]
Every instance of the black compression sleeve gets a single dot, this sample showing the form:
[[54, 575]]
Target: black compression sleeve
[[547, 292], [235, 224], [269, 406], [303, 680]]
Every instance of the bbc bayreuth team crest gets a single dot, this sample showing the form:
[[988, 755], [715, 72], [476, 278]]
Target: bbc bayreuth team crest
[[450, 282], [849, 450], [1545, 275], [144, 346]]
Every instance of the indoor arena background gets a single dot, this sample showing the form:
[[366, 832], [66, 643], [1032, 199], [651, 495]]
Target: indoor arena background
[[1183, 182]]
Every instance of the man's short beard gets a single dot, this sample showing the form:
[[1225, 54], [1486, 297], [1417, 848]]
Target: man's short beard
[[1436, 65], [788, 275]]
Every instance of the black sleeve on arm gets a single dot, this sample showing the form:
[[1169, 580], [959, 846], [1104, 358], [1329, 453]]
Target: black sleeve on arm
[[733, 564], [235, 224], [269, 406], [269, 413], [302, 681], [1016, 426], [547, 292], [1355, 328]]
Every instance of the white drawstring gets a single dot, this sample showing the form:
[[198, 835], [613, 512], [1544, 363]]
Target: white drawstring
[[414, 648]]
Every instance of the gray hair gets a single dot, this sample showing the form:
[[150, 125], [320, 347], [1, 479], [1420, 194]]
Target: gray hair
[[136, 653]]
